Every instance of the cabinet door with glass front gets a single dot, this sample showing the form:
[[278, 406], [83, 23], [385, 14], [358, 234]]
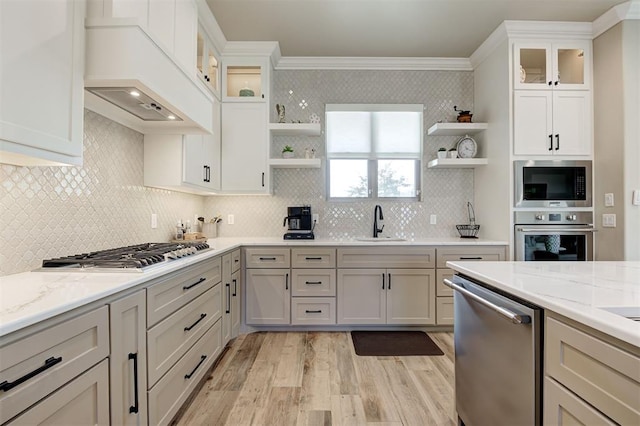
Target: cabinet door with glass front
[[245, 79], [545, 65], [207, 62]]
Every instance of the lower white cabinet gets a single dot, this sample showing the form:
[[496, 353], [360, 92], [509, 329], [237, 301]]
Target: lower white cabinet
[[128, 367], [563, 408], [386, 296], [83, 401], [268, 296]]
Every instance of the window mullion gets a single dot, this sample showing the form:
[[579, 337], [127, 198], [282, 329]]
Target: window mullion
[[373, 178]]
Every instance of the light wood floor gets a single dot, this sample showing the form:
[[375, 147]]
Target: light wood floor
[[315, 378]]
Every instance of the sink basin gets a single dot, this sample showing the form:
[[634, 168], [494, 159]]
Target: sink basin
[[631, 312], [380, 239]]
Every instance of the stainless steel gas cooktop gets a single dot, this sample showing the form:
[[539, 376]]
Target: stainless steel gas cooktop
[[126, 259]]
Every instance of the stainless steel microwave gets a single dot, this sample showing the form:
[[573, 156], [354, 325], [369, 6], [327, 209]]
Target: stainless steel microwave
[[553, 183]]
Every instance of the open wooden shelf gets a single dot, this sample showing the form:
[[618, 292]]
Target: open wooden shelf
[[456, 163], [295, 129], [295, 163], [456, 129]]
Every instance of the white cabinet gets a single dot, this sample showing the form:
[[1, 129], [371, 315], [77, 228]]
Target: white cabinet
[[386, 296], [128, 367], [564, 65], [244, 148], [268, 296], [42, 82], [245, 79], [231, 297], [207, 62], [552, 123]]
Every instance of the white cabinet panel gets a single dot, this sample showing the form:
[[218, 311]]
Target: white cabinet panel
[[268, 296], [361, 296], [572, 122], [411, 296]]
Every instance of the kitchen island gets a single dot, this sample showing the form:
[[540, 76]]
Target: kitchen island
[[585, 354]]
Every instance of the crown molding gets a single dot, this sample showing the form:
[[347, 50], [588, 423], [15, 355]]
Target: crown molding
[[250, 48], [549, 30], [498, 36], [372, 63], [619, 13]]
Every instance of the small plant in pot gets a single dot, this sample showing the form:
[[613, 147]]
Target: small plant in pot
[[442, 153], [453, 153], [287, 152]]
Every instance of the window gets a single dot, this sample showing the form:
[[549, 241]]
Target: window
[[374, 151]]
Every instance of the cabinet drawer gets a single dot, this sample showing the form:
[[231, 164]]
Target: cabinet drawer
[[441, 289], [387, 257], [235, 260], [444, 310], [475, 254], [598, 371], [61, 353], [563, 408], [170, 339], [313, 310], [267, 258], [84, 401], [313, 282], [168, 395], [175, 291], [313, 258]]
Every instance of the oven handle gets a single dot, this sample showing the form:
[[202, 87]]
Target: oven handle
[[563, 230], [511, 316]]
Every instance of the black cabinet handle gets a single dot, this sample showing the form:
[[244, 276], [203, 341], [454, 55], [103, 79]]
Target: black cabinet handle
[[383, 280], [263, 179], [228, 310], [312, 258], [313, 282], [550, 83], [286, 282], [200, 281], [204, 173], [389, 284], [471, 258], [267, 258], [134, 407], [235, 287], [202, 358], [556, 83], [195, 323], [557, 141], [550, 142], [50, 362], [319, 311]]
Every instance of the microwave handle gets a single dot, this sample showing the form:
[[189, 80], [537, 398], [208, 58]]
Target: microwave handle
[[562, 230]]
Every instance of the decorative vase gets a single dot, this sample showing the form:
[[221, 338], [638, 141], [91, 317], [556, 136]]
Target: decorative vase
[[287, 154], [442, 154], [453, 154]]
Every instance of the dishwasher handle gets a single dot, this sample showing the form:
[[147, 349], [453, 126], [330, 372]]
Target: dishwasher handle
[[511, 316]]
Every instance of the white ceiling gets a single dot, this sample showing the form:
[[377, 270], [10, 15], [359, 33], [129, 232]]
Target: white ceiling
[[387, 28]]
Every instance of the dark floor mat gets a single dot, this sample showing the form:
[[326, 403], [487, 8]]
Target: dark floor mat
[[393, 343]]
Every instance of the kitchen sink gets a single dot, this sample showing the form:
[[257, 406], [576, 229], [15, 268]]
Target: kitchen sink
[[631, 312], [380, 239]]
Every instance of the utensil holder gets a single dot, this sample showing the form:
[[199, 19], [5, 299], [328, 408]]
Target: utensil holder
[[210, 230]]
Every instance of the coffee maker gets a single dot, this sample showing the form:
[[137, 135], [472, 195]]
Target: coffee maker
[[300, 223]]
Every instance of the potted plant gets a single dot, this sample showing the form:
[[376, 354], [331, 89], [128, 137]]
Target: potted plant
[[453, 153], [287, 152], [442, 153]]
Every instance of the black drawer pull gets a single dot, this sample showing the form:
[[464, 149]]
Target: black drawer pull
[[383, 280], [235, 287], [195, 323], [318, 311], [313, 282], [7, 386], [389, 283], [228, 310], [267, 258], [134, 407], [202, 358], [312, 258], [286, 282], [200, 281], [471, 258]]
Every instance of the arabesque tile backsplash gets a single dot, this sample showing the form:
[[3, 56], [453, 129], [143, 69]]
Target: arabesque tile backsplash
[[56, 211]]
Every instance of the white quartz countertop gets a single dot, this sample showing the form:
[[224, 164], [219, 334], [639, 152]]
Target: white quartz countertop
[[577, 290], [31, 297]]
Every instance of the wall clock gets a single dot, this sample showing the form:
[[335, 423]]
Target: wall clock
[[467, 147]]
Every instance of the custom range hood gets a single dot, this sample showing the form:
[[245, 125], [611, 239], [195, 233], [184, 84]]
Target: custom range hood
[[131, 80]]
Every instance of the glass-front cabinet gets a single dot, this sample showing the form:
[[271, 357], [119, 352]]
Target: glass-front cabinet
[[245, 79], [207, 62], [557, 66]]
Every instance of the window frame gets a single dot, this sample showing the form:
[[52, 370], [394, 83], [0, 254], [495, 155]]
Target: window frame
[[372, 157]]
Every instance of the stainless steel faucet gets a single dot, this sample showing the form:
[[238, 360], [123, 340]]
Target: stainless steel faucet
[[377, 215]]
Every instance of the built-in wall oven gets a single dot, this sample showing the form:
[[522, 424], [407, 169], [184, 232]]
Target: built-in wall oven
[[553, 235], [553, 183]]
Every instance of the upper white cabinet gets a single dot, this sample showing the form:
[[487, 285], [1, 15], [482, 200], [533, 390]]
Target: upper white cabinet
[[552, 123], [207, 62], [563, 65], [244, 148], [41, 81], [245, 79]]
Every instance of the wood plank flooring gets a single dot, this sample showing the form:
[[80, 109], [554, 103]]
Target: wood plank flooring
[[315, 378]]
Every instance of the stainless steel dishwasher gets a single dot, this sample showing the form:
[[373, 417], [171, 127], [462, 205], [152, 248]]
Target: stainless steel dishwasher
[[498, 361]]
